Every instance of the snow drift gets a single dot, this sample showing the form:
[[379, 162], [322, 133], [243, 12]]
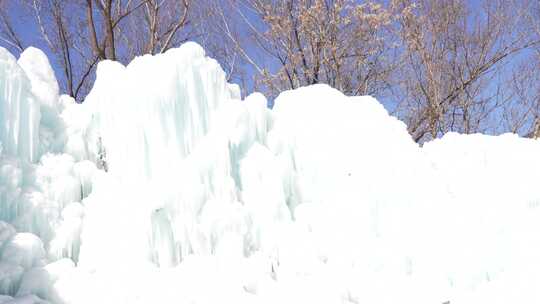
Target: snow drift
[[164, 186]]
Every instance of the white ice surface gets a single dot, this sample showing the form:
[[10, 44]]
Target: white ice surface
[[164, 186]]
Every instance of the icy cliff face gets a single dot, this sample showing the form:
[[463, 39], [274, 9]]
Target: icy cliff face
[[164, 186], [157, 109], [19, 111], [44, 89], [156, 112]]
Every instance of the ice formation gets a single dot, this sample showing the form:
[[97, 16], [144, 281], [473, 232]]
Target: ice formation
[[19, 111], [165, 186]]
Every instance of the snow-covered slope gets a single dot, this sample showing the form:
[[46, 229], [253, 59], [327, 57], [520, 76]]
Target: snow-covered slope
[[164, 186]]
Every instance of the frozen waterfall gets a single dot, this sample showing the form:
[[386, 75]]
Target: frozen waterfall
[[165, 186]]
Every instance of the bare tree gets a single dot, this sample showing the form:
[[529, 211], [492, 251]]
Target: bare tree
[[452, 55], [157, 26], [522, 113], [338, 42], [60, 25], [8, 34], [111, 13]]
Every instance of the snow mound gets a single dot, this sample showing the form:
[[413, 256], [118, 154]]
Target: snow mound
[[164, 186]]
